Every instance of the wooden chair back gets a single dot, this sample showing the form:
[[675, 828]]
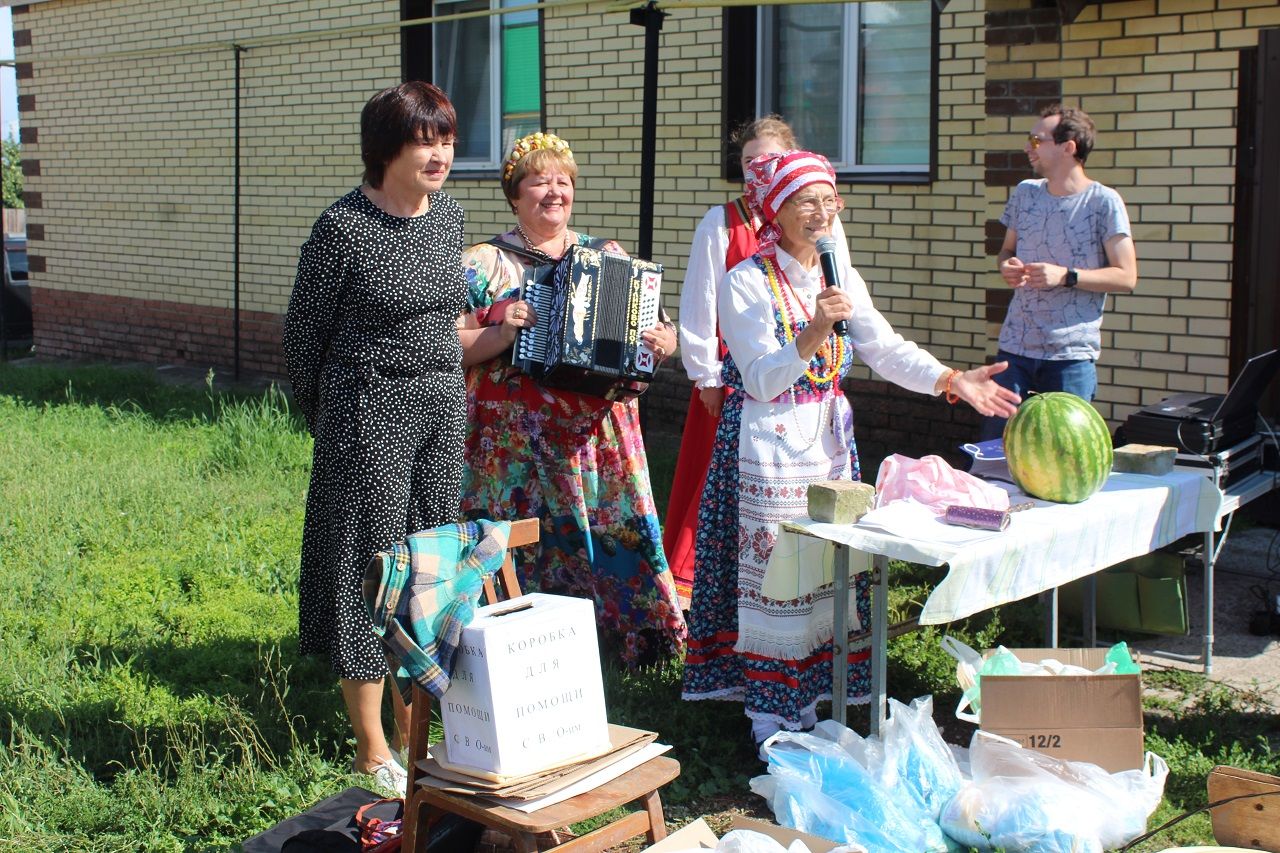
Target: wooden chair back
[[504, 584], [1252, 823]]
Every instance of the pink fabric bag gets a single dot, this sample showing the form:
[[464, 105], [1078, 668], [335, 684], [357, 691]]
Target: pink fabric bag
[[934, 483]]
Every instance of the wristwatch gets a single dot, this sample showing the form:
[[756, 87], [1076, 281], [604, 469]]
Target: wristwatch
[[1072, 279]]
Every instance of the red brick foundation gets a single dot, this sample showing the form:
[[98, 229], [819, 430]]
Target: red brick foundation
[[73, 324], [77, 324]]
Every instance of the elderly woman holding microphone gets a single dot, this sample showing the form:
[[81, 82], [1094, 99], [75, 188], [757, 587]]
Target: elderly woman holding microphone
[[725, 236], [787, 425]]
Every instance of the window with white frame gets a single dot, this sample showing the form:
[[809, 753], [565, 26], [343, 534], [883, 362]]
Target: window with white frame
[[490, 65], [855, 80]]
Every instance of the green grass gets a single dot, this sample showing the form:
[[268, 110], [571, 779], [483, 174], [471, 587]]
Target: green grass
[[151, 694]]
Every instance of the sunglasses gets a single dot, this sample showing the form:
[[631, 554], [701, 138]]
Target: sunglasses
[[1035, 141]]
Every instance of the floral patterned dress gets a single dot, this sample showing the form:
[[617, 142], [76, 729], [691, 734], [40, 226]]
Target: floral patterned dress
[[578, 464]]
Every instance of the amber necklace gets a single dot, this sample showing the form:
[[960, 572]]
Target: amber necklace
[[836, 348]]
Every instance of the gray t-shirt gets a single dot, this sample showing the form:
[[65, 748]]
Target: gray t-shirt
[[1059, 323]]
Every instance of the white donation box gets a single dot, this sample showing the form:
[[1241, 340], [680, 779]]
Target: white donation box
[[526, 693]]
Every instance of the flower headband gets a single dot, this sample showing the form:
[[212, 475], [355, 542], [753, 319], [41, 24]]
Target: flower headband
[[526, 145]]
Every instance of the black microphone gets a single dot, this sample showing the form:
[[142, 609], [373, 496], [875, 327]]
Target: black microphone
[[831, 274]]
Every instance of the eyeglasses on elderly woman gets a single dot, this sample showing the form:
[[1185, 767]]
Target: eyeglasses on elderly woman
[[810, 204]]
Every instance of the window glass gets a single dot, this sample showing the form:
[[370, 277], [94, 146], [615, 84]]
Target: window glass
[[462, 63], [894, 84], [521, 75], [854, 80], [491, 68], [803, 80]]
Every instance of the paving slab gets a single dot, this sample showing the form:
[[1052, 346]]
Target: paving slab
[[1248, 569]]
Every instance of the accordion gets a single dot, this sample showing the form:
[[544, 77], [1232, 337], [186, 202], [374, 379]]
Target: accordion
[[591, 307]]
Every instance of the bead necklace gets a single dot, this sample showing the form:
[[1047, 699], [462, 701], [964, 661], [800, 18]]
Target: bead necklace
[[529, 244], [836, 358], [825, 411]]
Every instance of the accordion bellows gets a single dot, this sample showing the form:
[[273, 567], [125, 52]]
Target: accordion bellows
[[592, 307]]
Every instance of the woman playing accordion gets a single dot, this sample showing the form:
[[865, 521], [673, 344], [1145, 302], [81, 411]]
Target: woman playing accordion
[[575, 461]]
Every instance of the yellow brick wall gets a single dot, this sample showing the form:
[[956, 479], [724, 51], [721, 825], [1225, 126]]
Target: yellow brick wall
[[1160, 80], [137, 172], [136, 165]]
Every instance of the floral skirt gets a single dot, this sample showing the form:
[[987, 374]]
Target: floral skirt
[[775, 656], [578, 464]]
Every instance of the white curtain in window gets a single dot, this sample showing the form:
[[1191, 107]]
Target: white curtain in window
[[894, 83]]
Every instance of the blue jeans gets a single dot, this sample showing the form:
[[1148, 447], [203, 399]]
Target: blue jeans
[[1025, 375]]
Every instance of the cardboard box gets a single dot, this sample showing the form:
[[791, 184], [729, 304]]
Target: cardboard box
[[526, 693], [698, 836], [1095, 718]]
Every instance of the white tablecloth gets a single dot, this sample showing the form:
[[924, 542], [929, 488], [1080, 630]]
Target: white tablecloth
[[1041, 549]]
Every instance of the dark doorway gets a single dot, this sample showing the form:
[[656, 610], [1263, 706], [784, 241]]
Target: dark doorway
[[1255, 300]]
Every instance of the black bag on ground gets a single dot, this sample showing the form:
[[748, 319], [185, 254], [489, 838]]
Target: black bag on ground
[[330, 827]]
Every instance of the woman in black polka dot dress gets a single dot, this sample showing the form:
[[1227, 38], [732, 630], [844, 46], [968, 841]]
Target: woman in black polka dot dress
[[373, 353]]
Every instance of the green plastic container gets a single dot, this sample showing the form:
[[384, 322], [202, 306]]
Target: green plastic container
[[1146, 595]]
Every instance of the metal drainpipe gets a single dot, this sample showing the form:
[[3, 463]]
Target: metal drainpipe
[[649, 17], [235, 223]]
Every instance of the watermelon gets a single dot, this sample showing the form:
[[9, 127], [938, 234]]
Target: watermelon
[[1058, 447]]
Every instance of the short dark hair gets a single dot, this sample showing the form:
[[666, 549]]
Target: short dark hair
[[1073, 124], [414, 111]]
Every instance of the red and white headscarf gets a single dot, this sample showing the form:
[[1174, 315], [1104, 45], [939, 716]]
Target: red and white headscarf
[[774, 178]]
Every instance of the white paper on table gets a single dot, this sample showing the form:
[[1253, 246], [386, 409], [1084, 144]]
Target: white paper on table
[[912, 520], [595, 780]]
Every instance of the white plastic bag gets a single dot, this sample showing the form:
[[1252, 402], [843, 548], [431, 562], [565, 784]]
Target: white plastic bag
[[909, 756], [968, 666], [917, 760], [1023, 800], [932, 482], [802, 805], [971, 667]]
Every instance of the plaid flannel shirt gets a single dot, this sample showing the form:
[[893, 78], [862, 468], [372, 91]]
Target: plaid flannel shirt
[[423, 591]]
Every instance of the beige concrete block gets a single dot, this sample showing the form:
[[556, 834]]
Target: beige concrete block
[[1148, 26], [1144, 459], [1100, 30], [1217, 157], [1268, 16], [1160, 325], [1236, 39], [1170, 62]]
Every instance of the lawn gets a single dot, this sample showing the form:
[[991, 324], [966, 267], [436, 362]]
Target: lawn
[[151, 694]]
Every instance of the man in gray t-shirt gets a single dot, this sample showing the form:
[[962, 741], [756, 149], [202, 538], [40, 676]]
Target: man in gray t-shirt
[[1067, 245]]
